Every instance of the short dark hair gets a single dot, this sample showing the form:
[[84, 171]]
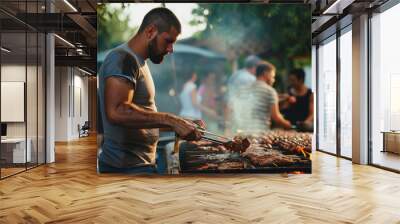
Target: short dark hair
[[264, 66], [298, 73], [162, 18]]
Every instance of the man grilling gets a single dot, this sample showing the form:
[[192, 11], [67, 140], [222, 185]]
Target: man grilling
[[126, 95]]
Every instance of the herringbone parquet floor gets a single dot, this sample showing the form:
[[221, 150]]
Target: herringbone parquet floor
[[70, 191]]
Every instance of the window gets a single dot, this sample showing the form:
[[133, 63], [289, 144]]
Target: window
[[22, 77], [346, 94], [385, 85], [327, 96]]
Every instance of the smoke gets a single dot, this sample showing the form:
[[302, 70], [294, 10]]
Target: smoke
[[246, 116], [235, 36]]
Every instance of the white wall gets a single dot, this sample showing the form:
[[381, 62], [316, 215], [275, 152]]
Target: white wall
[[71, 94], [61, 103], [14, 73], [33, 127], [81, 104], [17, 73]]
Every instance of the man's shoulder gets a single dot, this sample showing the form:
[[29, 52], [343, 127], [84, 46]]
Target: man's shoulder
[[118, 53], [263, 87], [271, 89], [243, 79], [242, 72], [119, 59]]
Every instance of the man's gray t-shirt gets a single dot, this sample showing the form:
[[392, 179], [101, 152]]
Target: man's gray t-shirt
[[126, 147]]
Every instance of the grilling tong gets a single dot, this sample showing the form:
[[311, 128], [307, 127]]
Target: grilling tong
[[214, 137], [230, 144]]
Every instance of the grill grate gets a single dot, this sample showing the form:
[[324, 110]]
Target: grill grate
[[195, 160]]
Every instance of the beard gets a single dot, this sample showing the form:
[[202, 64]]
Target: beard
[[154, 56]]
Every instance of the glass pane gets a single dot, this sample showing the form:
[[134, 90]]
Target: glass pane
[[327, 97], [386, 89], [14, 153], [31, 97], [31, 86], [41, 99], [346, 94]]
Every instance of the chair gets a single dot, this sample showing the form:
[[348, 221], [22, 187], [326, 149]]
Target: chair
[[84, 130]]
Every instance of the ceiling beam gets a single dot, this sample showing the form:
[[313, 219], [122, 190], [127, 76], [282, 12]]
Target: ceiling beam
[[81, 61]]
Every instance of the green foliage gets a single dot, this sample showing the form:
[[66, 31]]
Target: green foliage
[[112, 28], [279, 33]]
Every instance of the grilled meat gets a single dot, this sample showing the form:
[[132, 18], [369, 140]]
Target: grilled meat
[[230, 165], [238, 145], [271, 149], [262, 156], [222, 166]]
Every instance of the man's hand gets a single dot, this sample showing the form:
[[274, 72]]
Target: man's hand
[[186, 129], [200, 123], [291, 99]]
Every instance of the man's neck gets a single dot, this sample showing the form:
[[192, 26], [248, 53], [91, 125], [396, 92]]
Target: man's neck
[[300, 88], [262, 80], [140, 49]]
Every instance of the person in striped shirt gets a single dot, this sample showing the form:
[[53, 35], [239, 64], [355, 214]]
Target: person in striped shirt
[[257, 104]]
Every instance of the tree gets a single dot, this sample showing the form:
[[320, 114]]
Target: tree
[[112, 26], [276, 32]]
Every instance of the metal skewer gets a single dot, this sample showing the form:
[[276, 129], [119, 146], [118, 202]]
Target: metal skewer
[[213, 140], [216, 135]]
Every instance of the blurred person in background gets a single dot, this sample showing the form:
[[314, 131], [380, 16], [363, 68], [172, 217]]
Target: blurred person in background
[[191, 100], [259, 103], [239, 79], [244, 76], [298, 104], [208, 93]]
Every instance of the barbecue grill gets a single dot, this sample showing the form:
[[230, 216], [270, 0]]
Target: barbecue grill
[[195, 160], [211, 156]]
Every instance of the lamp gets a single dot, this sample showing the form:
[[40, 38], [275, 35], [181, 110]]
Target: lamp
[[64, 40], [5, 50], [70, 5]]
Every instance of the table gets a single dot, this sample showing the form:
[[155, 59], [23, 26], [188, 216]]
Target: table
[[391, 141], [13, 150]]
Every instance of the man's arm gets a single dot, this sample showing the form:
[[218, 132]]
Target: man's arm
[[278, 118], [283, 101], [120, 110]]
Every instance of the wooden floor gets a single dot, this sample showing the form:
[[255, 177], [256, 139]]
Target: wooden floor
[[5, 172], [70, 191], [10, 171]]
